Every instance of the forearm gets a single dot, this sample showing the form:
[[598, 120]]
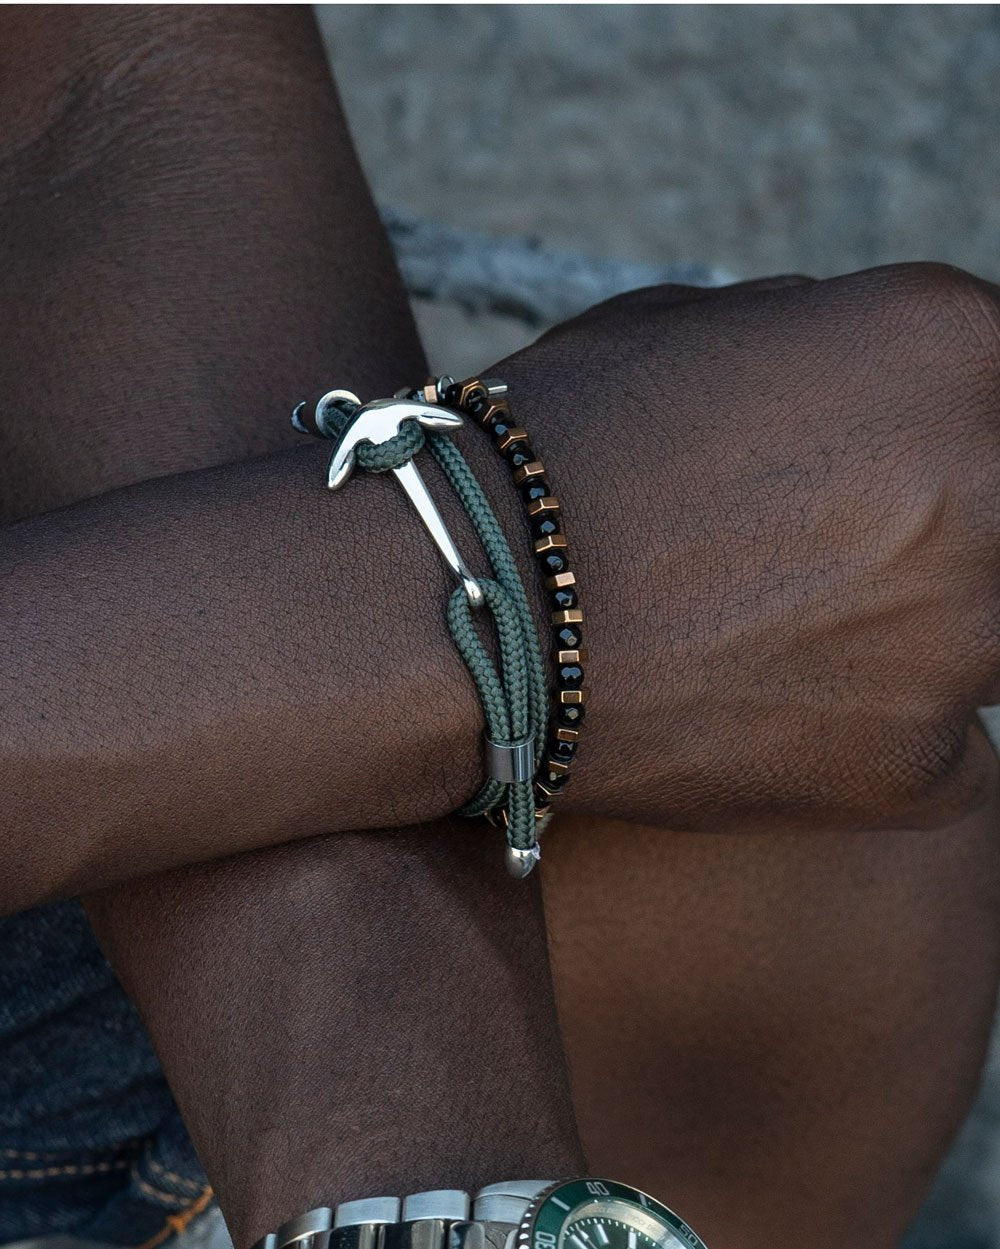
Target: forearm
[[347, 1014], [184, 222], [364, 1014], [182, 211], [228, 642]]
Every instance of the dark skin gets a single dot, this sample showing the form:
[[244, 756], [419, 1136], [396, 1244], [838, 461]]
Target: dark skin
[[779, 1032], [268, 981], [848, 657], [814, 618], [360, 1014], [248, 1088], [799, 1019]]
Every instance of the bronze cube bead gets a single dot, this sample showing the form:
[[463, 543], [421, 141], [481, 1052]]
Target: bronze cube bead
[[493, 410], [547, 792], [514, 434], [571, 616], [527, 471], [572, 696], [551, 542], [471, 388]]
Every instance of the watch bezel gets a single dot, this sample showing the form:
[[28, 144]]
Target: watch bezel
[[550, 1210]]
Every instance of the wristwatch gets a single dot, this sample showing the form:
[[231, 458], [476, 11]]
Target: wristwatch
[[517, 1214]]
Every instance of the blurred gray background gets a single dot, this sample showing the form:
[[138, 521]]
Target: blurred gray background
[[753, 140], [759, 139]]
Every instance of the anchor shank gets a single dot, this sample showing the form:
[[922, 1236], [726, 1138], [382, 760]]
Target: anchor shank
[[414, 485]]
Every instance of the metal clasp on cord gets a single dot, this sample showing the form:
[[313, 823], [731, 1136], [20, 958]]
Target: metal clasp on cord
[[379, 422], [510, 762]]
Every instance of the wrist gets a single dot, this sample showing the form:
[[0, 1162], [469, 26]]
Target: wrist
[[377, 1008], [632, 680], [270, 652]]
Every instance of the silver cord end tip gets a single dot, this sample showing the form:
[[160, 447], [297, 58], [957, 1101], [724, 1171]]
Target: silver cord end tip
[[521, 863]]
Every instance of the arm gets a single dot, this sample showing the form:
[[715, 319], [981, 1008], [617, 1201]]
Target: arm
[[227, 634], [235, 631], [363, 1014], [204, 649], [172, 240], [211, 920], [359, 1013]]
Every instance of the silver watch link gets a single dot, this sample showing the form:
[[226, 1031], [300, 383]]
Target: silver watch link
[[444, 1218], [517, 1214]]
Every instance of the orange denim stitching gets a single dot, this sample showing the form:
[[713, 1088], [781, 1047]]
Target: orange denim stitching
[[160, 1194], [29, 1155], [178, 1223], [174, 1178], [53, 1155], [83, 1168]]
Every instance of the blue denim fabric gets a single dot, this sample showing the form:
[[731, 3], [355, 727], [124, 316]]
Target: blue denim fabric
[[91, 1142]]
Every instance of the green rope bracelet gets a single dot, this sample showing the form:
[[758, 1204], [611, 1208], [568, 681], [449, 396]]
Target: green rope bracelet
[[515, 699]]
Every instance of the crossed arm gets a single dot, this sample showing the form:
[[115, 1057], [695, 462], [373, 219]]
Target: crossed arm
[[373, 1011], [182, 210], [782, 500], [216, 694]]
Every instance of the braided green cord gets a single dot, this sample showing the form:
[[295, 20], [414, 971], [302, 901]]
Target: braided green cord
[[487, 527], [506, 703], [382, 457], [515, 706], [507, 708]]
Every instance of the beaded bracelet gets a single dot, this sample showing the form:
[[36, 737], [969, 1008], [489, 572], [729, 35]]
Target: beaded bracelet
[[384, 436], [486, 401]]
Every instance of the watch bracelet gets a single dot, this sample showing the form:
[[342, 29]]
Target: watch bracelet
[[436, 1219]]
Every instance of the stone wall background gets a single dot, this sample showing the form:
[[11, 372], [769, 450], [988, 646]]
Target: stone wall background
[[766, 138], [757, 139]]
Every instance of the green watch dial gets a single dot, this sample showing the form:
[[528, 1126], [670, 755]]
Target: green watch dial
[[602, 1214]]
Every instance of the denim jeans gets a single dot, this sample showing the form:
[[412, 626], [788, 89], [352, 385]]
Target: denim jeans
[[91, 1142]]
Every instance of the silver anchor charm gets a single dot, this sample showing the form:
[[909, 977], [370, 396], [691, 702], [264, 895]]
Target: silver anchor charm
[[378, 422]]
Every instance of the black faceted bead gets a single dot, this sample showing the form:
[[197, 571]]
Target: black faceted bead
[[518, 445], [570, 715], [553, 780], [563, 751], [569, 677], [535, 488], [552, 562], [543, 524], [564, 599], [499, 426], [519, 453], [544, 796], [477, 405], [568, 638]]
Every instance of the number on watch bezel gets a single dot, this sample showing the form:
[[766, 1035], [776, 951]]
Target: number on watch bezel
[[546, 1218]]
